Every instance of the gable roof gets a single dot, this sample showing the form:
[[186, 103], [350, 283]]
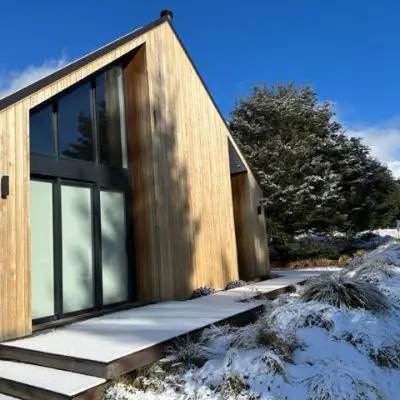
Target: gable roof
[[237, 161]]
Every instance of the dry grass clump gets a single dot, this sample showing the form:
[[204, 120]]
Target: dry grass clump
[[387, 356], [337, 380], [184, 352], [374, 271], [233, 386], [340, 291], [202, 291], [270, 339], [235, 284]]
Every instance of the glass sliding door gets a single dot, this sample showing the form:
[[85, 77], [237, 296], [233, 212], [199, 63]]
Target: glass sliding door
[[77, 248], [113, 247], [42, 261]]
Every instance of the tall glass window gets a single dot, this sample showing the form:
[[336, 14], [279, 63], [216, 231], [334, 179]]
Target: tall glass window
[[111, 118], [77, 248], [75, 131], [42, 249], [74, 266], [41, 134], [113, 247]]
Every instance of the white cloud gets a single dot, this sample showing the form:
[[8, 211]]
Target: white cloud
[[12, 81], [383, 139]]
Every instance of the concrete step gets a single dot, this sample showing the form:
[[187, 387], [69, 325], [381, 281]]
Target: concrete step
[[33, 382]]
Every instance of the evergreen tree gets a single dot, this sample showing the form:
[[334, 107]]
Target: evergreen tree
[[314, 178]]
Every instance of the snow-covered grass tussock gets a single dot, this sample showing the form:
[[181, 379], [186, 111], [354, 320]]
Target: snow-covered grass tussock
[[235, 284], [202, 291], [297, 349], [340, 291], [342, 381]]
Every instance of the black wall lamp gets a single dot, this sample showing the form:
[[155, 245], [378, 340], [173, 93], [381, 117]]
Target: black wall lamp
[[5, 186]]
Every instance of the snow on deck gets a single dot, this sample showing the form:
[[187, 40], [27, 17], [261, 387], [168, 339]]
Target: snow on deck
[[110, 337], [54, 380]]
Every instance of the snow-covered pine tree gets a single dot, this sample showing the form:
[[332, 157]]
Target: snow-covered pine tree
[[314, 178]]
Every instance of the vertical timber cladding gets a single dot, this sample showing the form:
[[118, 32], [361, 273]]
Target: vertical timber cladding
[[15, 300], [15, 282], [188, 227], [250, 227], [182, 169]]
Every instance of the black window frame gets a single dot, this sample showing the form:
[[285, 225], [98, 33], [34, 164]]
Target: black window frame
[[60, 170]]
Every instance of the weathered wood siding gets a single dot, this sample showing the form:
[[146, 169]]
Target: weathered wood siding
[[250, 227]]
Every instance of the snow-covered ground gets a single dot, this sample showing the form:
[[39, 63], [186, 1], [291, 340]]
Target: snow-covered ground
[[295, 350], [394, 233]]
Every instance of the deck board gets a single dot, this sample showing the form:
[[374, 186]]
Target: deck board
[[110, 337], [56, 383], [109, 346]]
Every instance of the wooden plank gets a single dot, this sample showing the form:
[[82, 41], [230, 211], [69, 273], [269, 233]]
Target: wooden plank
[[3, 232], [11, 301], [72, 364], [19, 190], [250, 228], [138, 126], [136, 359]]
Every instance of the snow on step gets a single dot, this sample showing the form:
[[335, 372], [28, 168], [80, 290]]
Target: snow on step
[[5, 397], [110, 337], [53, 380]]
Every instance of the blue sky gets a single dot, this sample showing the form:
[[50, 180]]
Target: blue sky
[[348, 50]]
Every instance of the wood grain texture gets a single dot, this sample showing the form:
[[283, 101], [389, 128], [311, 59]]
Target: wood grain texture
[[184, 224], [250, 228]]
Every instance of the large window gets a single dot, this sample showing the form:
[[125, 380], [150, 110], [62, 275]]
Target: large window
[[75, 133], [85, 123], [41, 124], [81, 222]]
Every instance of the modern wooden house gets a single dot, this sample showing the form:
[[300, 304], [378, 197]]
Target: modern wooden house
[[120, 185]]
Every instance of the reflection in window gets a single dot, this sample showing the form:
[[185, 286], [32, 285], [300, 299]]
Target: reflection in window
[[110, 117], [75, 124], [41, 130]]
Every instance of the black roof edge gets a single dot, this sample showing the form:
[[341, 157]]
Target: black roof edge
[[75, 65], [232, 149]]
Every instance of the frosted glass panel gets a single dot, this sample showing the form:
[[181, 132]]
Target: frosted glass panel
[[42, 249], [77, 256], [113, 238]]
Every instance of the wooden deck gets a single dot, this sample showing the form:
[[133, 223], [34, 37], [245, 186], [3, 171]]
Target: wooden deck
[[75, 361]]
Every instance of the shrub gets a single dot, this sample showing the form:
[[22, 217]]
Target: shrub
[[374, 271], [340, 291], [202, 291], [233, 386], [270, 339], [344, 258], [338, 380], [185, 352], [235, 284], [290, 317], [274, 363], [387, 356]]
